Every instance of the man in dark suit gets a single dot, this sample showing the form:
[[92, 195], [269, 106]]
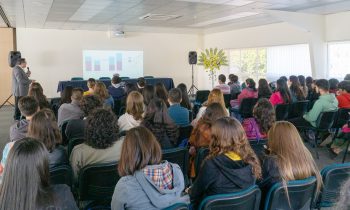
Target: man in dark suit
[[20, 84]]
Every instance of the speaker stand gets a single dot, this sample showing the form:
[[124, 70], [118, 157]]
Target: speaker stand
[[7, 101], [193, 89]]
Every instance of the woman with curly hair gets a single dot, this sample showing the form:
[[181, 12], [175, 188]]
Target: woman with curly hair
[[37, 92], [102, 144], [231, 165], [264, 116]]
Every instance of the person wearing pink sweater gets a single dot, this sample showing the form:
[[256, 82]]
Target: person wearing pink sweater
[[282, 94], [249, 92]]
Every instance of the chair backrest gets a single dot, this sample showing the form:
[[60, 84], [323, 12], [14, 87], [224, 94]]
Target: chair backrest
[[281, 111], [178, 206], [63, 132], [148, 77], [301, 195], [227, 99], [202, 153], [104, 78], [97, 181], [342, 118], [248, 199], [61, 175], [123, 78], [122, 110], [258, 147], [117, 106], [202, 96], [297, 109], [333, 177], [72, 143], [185, 133], [179, 156], [325, 120], [246, 107], [76, 78], [190, 115]]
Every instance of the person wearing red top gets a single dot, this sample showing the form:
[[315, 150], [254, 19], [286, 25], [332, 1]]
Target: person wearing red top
[[344, 94], [282, 94]]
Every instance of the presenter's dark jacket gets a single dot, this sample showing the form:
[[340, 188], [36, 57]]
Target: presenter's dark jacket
[[20, 82]]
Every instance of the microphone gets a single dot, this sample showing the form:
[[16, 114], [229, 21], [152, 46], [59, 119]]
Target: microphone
[[28, 68]]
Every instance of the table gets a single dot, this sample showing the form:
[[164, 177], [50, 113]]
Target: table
[[168, 83]]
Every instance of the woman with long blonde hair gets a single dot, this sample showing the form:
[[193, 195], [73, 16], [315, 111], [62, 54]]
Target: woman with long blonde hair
[[215, 96], [134, 111], [101, 91], [231, 165], [288, 158]]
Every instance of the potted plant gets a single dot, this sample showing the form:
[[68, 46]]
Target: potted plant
[[212, 60]]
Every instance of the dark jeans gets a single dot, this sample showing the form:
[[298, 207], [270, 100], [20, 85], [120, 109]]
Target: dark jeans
[[17, 115]]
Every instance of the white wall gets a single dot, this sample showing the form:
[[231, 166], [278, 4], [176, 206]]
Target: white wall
[[55, 55], [338, 27]]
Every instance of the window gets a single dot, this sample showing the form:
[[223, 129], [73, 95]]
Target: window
[[270, 62], [338, 59]]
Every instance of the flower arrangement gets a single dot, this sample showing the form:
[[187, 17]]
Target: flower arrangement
[[212, 60]]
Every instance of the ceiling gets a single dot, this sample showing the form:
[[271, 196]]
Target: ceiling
[[193, 15]]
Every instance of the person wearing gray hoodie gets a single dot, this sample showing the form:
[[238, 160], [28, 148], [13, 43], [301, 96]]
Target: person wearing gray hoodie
[[146, 183]]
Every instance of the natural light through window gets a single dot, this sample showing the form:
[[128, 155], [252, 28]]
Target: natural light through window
[[338, 59]]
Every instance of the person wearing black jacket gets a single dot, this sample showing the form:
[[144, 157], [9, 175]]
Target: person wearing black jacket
[[231, 165]]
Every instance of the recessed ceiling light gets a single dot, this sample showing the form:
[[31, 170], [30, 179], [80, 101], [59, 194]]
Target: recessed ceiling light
[[224, 19]]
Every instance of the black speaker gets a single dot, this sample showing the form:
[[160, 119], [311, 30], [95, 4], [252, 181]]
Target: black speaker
[[14, 56], [192, 57]]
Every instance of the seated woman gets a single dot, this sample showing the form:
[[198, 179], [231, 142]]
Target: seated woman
[[66, 95], [134, 111], [215, 96], [102, 144], [101, 91], [297, 93], [91, 85], [231, 165], [158, 121], [288, 158], [146, 183], [282, 94], [25, 184], [264, 90], [249, 92], [162, 93], [37, 92], [148, 94], [201, 134], [185, 102], [264, 116]]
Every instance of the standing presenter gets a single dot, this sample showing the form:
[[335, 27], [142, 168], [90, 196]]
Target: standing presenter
[[20, 83]]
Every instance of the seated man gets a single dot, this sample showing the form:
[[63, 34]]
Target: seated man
[[70, 111], [326, 102], [178, 113], [225, 89], [91, 84], [28, 107], [116, 90]]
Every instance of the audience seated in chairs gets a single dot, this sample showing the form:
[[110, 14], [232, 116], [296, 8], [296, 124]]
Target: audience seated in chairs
[[295, 89], [185, 101], [25, 184], [91, 85], [76, 128], [264, 90], [201, 134], [101, 91], [303, 86], [264, 116], [231, 165], [287, 159], [344, 94], [70, 111], [146, 183], [162, 93], [28, 107], [116, 90], [178, 113], [134, 111], [158, 121], [235, 86], [66, 95], [282, 94], [225, 88], [102, 144], [148, 94], [326, 102], [37, 92]]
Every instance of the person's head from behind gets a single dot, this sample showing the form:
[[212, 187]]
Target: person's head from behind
[[91, 82], [222, 79], [309, 81], [25, 181], [284, 78], [175, 96], [161, 91], [185, 101], [134, 105], [333, 84], [233, 78], [77, 94], [265, 115], [140, 149], [250, 84], [347, 77], [302, 80], [36, 85], [101, 90], [344, 87], [43, 127], [129, 87], [228, 135], [28, 106], [282, 87], [322, 86], [66, 95], [294, 81], [141, 82], [116, 79], [264, 88], [22, 63], [294, 160], [216, 96], [157, 112], [90, 103], [213, 112], [148, 93], [102, 129]]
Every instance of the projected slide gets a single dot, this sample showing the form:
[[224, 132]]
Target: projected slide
[[105, 63]]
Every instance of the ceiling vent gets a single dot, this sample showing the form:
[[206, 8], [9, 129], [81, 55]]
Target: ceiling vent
[[159, 17]]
